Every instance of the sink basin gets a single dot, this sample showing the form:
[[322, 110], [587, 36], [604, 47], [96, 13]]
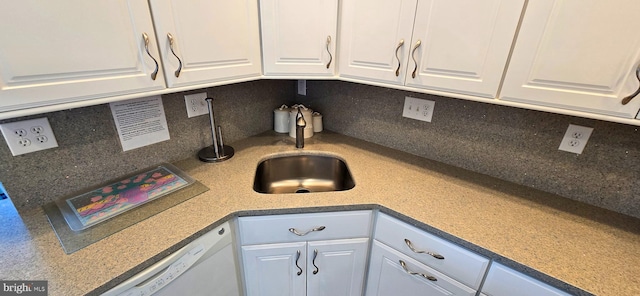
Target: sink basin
[[302, 173]]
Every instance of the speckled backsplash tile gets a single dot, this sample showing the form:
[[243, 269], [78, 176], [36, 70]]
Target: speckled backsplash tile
[[509, 143], [89, 151], [513, 144]]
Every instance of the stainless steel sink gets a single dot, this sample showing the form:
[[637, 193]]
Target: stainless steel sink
[[302, 173]]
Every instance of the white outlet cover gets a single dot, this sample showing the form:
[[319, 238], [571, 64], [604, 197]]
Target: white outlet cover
[[575, 139], [302, 87], [418, 109], [28, 136], [196, 105]]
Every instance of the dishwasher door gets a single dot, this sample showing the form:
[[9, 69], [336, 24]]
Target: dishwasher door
[[206, 266]]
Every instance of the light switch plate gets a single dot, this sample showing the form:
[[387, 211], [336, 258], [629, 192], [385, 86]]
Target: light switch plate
[[196, 105], [575, 139], [418, 109], [28, 136]]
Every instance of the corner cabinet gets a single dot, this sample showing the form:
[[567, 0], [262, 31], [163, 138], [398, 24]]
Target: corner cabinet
[[207, 41], [580, 55], [299, 37], [408, 261], [305, 254], [56, 53], [455, 46]]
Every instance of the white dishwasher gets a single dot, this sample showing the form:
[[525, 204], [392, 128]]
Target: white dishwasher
[[205, 266]]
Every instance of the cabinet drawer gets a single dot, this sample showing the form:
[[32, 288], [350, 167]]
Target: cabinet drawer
[[458, 263], [503, 281], [276, 228], [393, 273]]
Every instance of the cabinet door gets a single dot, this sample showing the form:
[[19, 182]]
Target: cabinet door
[[502, 281], [388, 277], [455, 261], [215, 40], [54, 52], [462, 45], [578, 55], [299, 37], [374, 39], [275, 269], [336, 267]]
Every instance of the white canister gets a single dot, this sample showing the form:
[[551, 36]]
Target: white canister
[[281, 119], [308, 117], [317, 122]]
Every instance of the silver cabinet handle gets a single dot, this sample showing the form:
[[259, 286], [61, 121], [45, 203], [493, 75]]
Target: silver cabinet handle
[[429, 277], [145, 37], [628, 99], [400, 44], [315, 255], [434, 255], [298, 233], [298, 266], [413, 53], [171, 39], [329, 51]]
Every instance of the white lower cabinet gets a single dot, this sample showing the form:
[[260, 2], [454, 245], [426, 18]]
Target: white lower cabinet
[[503, 281], [305, 254], [331, 268], [446, 257], [327, 254], [393, 273], [272, 269]]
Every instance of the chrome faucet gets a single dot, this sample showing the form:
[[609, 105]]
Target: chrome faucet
[[300, 125]]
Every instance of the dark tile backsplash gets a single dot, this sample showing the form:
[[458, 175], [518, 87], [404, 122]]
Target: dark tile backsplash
[[509, 143]]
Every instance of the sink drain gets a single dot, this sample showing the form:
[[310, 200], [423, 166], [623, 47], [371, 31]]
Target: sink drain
[[302, 190]]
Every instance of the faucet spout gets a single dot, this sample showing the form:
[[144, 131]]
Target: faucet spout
[[300, 125]]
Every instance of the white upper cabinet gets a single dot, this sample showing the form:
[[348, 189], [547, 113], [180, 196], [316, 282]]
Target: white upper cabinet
[[579, 55], [458, 46], [462, 46], [374, 39], [299, 37], [213, 40], [54, 52]]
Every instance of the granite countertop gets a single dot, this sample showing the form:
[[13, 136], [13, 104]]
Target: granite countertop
[[584, 246]]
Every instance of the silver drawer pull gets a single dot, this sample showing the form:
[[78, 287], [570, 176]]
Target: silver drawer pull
[[315, 255], [429, 277], [145, 38], [630, 97], [434, 255], [329, 52], [413, 56], [171, 41], [298, 233], [298, 266], [400, 44]]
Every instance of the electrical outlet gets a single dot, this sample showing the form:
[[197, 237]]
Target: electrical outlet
[[575, 139], [302, 87], [418, 109], [196, 105], [28, 135]]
